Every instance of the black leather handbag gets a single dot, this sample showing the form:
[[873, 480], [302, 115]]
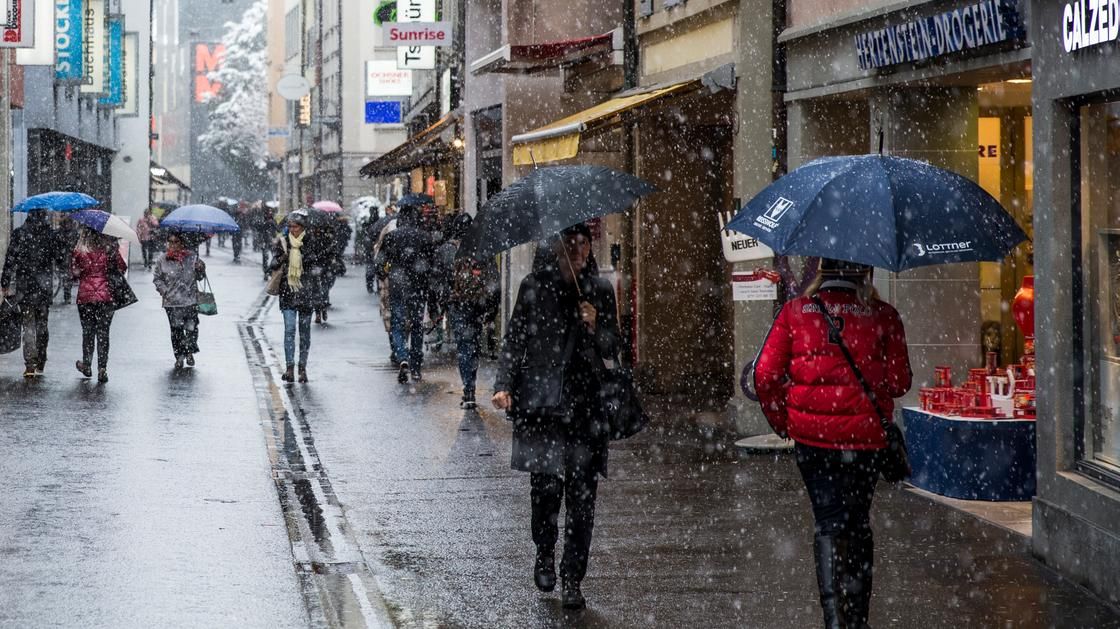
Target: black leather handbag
[[620, 405], [894, 464], [11, 326], [123, 295]]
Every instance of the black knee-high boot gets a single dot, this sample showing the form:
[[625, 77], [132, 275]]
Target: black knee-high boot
[[858, 568], [828, 582]]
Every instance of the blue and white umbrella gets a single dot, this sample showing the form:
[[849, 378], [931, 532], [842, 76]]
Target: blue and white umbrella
[[56, 202], [106, 223], [205, 219]]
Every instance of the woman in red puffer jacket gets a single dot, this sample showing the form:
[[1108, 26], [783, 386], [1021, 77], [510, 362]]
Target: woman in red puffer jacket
[[810, 393], [95, 257]]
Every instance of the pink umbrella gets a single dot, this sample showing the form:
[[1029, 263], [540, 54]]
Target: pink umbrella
[[327, 206]]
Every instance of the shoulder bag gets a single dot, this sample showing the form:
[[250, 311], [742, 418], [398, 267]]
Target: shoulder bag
[[122, 293], [276, 280], [895, 462], [11, 325], [207, 305]]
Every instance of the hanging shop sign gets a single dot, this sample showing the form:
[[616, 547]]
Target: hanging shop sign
[[42, 53], [69, 33], [738, 247], [19, 24], [114, 93], [416, 57], [130, 76], [384, 112], [384, 78], [1088, 23], [95, 44], [293, 87], [416, 34], [966, 28]]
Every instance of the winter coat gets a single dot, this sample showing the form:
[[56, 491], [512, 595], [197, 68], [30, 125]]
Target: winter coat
[[408, 251], [33, 251], [807, 388], [317, 255], [177, 281], [474, 283], [91, 267], [146, 227], [556, 423]]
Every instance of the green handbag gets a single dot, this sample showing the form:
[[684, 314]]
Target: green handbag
[[207, 305]]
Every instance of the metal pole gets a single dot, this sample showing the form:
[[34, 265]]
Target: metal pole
[[5, 152]]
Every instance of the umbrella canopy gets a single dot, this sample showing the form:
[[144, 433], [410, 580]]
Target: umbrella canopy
[[888, 212], [205, 219], [106, 223], [547, 201], [327, 206], [415, 200], [56, 202]]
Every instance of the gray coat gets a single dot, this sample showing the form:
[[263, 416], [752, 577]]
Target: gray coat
[[177, 282], [557, 424]]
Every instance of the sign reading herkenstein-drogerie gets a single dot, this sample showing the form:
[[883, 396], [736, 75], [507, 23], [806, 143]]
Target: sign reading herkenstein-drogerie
[[964, 28]]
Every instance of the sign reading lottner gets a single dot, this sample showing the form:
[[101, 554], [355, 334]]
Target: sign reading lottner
[[966, 28]]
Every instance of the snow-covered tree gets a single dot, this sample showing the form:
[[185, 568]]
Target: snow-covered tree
[[238, 132]]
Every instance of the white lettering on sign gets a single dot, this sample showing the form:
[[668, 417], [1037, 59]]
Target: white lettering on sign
[[973, 26], [1090, 23]]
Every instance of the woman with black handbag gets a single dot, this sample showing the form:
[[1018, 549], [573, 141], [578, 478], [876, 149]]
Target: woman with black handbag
[[95, 260], [563, 326], [826, 378], [176, 277]]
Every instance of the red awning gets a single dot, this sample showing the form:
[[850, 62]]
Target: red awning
[[532, 58]]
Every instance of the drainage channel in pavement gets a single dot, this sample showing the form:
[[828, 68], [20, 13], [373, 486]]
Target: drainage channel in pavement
[[338, 587]]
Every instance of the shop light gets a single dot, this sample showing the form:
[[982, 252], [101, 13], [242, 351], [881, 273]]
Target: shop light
[[1019, 81], [457, 143]]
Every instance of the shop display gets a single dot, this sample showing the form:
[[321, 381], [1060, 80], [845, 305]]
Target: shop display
[[991, 392]]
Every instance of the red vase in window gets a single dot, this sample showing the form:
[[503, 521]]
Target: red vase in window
[[1022, 308]]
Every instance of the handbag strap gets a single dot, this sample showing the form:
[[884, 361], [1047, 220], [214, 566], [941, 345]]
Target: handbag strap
[[834, 336]]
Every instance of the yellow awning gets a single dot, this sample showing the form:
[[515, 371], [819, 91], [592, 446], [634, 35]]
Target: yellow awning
[[560, 140]]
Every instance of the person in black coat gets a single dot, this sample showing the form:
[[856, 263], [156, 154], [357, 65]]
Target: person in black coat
[[561, 334], [407, 252], [33, 252], [303, 260]]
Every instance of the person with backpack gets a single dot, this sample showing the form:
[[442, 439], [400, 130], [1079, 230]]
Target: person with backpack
[[407, 254], [472, 281]]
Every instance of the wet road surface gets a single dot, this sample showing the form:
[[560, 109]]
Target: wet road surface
[[687, 533], [147, 501]]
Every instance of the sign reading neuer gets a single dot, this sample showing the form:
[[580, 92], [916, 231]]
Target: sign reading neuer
[[416, 34]]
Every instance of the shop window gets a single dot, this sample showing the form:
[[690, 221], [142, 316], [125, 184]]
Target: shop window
[[1097, 140]]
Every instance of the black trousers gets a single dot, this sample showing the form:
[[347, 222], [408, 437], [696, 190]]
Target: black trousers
[[148, 249], [184, 330], [36, 333], [96, 320], [578, 489]]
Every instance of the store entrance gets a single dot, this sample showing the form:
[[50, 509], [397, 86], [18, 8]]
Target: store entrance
[[1004, 139]]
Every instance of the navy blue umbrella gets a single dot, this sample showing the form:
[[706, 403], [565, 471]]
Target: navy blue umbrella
[[414, 199], [56, 202], [205, 219], [889, 212]]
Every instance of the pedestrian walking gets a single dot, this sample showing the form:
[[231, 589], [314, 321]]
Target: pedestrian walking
[[407, 253], [94, 259], [301, 260], [146, 230], [811, 393], [563, 326], [33, 252], [177, 273], [471, 285]]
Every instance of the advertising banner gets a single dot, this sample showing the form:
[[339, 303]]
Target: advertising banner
[[114, 93], [95, 47], [384, 112], [130, 76], [383, 78], [69, 36], [42, 53], [416, 57], [18, 24]]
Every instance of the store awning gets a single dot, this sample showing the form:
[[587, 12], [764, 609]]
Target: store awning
[[560, 140], [431, 146], [162, 177], [532, 58]]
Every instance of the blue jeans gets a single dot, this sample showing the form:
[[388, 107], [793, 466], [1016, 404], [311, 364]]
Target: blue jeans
[[466, 323], [406, 323], [290, 319]]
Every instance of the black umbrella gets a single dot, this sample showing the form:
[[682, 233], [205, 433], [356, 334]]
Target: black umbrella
[[547, 201], [415, 200]]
